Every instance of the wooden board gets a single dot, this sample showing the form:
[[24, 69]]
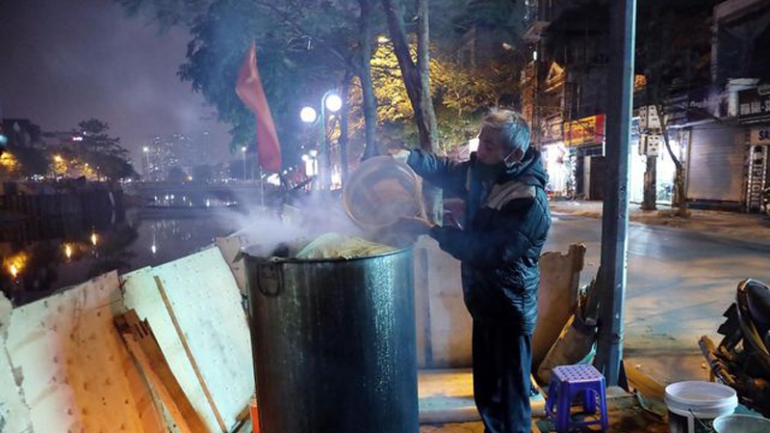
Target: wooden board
[[449, 321], [206, 303], [230, 247], [77, 374], [141, 293], [139, 338], [557, 298], [14, 412]]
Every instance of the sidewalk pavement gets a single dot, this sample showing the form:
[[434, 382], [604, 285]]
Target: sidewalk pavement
[[741, 226]]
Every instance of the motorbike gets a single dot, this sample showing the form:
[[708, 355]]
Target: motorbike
[[742, 360]]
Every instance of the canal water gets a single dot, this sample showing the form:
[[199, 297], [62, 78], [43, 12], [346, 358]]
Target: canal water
[[40, 257]]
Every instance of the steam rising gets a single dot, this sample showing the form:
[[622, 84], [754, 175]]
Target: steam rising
[[263, 231]]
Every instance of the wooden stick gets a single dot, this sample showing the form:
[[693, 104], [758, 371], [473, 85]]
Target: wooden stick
[[142, 344], [187, 350]]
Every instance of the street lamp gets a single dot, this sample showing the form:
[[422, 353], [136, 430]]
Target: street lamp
[[146, 151], [243, 150], [332, 103]]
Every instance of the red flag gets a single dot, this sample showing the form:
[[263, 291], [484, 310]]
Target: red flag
[[249, 90]]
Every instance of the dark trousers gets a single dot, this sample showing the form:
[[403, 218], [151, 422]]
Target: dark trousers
[[502, 359]]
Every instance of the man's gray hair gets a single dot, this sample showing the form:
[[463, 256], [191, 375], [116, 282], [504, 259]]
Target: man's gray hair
[[513, 128]]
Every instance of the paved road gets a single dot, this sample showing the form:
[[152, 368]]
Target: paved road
[[679, 284]]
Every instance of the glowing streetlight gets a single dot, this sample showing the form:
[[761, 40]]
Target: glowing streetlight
[[14, 271], [333, 102], [68, 251], [57, 158], [243, 151], [308, 115], [94, 238], [147, 167]]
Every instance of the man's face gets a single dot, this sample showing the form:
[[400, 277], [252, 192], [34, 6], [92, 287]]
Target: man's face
[[492, 149]]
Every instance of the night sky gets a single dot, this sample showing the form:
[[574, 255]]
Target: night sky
[[64, 61]]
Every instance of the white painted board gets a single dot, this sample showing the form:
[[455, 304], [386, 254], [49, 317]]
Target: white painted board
[[207, 303], [141, 293], [76, 373]]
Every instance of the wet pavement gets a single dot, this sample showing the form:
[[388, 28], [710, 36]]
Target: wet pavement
[[679, 284]]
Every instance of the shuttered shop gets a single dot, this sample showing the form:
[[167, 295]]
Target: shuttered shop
[[716, 173]]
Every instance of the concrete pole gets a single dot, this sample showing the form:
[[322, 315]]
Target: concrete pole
[[615, 211]]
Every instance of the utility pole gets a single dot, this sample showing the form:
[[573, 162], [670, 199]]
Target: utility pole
[[615, 211]]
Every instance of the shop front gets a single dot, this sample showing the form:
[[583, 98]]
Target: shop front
[[556, 159], [754, 111], [584, 143], [665, 168]]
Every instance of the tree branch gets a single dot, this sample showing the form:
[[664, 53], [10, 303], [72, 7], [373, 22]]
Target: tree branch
[[298, 27]]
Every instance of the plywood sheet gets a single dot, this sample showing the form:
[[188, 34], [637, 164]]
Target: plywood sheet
[[141, 293], [206, 302], [230, 247], [14, 412], [450, 323], [557, 297], [75, 372], [138, 337]]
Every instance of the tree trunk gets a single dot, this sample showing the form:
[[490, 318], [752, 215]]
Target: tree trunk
[[679, 200], [417, 82], [434, 202], [649, 201], [364, 74], [344, 128], [424, 115]]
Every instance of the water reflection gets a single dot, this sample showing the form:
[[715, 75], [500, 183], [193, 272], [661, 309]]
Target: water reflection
[[41, 257]]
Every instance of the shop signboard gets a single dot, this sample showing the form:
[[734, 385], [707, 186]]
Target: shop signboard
[[754, 104], [760, 135], [588, 130], [552, 130], [699, 104]]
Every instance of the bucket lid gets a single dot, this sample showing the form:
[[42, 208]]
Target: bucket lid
[[381, 191], [700, 396]]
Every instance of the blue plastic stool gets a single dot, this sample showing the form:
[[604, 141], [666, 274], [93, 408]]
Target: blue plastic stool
[[569, 382]]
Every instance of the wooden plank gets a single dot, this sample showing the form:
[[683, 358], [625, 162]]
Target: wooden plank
[[202, 294], [230, 247], [141, 293], [141, 342], [188, 351], [14, 412], [76, 372], [558, 296]]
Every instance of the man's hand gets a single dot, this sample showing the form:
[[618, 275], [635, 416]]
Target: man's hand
[[400, 155]]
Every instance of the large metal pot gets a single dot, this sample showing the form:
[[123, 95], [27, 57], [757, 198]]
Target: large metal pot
[[334, 344]]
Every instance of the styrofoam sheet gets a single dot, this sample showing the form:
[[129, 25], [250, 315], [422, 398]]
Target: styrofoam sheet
[[75, 372], [207, 304]]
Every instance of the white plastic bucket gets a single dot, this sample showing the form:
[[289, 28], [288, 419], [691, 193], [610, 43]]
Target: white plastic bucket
[[693, 405], [741, 424]]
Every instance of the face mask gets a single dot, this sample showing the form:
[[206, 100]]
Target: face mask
[[489, 173]]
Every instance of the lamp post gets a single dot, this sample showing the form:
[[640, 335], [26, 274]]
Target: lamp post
[[332, 102], [243, 151], [146, 151]]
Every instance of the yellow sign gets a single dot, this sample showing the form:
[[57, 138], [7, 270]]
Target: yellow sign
[[588, 130]]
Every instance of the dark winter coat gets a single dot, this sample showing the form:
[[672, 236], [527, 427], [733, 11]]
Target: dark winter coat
[[507, 221]]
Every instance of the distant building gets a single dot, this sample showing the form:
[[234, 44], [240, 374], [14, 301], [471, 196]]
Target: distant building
[[177, 150]]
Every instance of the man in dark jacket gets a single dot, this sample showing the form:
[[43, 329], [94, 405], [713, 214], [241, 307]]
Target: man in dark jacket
[[507, 221]]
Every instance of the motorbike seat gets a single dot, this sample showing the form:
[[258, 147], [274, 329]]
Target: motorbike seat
[[759, 305]]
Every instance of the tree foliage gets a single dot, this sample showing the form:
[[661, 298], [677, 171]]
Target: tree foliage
[[101, 152], [459, 95]]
